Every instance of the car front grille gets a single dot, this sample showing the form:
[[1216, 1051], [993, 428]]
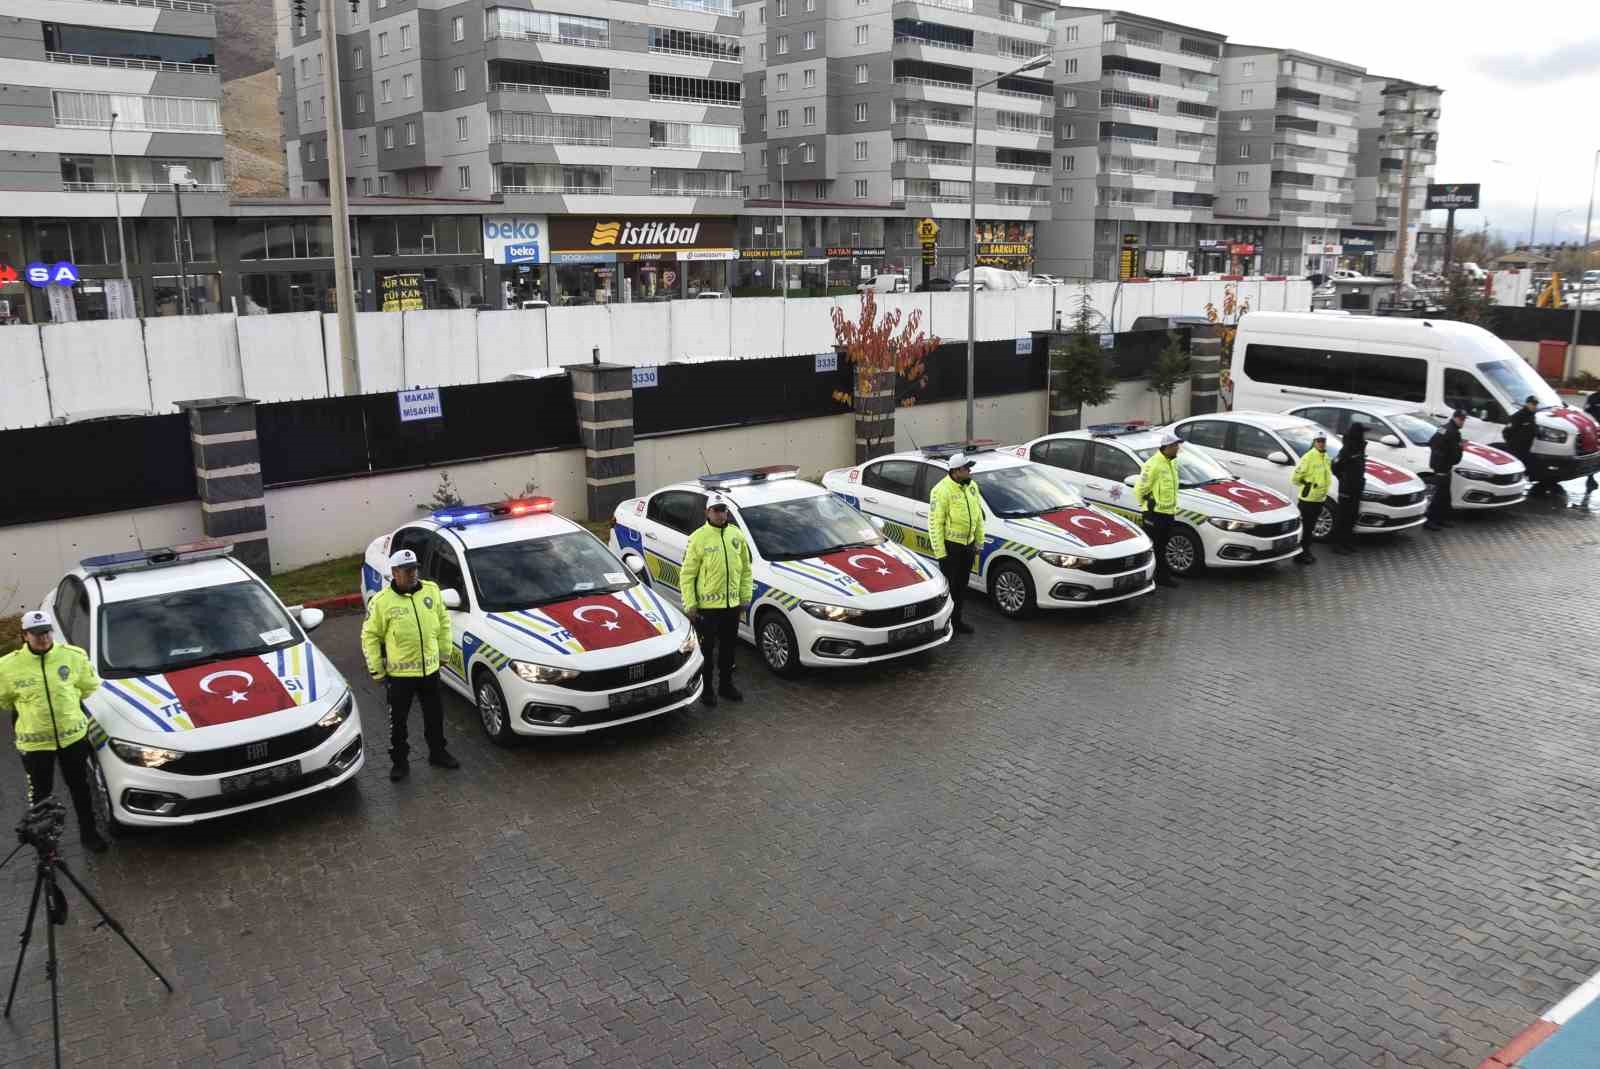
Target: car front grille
[[1276, 530], [901, 615], [1402, 500], [1117, 565], [628, 675], [248, 755], [1510, 479]]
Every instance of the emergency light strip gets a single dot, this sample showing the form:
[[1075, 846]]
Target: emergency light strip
[[464, 515], [745, 476], [134, 559]]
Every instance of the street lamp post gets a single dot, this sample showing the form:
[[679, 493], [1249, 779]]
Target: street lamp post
[[1583, 271], [116, 198], [180, 177], [1033, 64], [338, 203]]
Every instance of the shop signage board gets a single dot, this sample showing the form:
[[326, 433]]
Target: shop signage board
[[516, 239], [928, 236], [850, 252], [1454, 196], [1318, 248], [401, 291], [570, 234], [772, 254], [1128, 262], [420, 404], [60, 273]]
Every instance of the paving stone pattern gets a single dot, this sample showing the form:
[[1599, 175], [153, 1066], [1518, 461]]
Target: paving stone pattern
[[1343, 816]]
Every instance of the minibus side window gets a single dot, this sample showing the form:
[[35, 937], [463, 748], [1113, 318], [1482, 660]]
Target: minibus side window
[[1402, 378], [1463, 390]]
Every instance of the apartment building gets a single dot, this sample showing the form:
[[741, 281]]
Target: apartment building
[[1394, 112], [859, 123], [607, 134], [83, 83]]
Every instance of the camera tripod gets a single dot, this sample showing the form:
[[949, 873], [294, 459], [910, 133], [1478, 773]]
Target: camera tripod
[[41, 829]]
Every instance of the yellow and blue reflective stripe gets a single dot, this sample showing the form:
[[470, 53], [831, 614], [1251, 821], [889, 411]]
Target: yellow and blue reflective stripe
[[501, 619], [159, 722], [158, 697]]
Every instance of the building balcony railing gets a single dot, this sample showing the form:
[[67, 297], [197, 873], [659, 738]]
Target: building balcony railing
[[937, 198], [674, 191], [140, 187], [194, 6], [1036, 199], [142, 127], [583, 190], [79, 60], [690, 98], [710, 7], [1043, 98], [936, 161], [1047, 23], [557, 90], [912, 39], [959, 124], [930, 83], [496, 33], [545, 139], [1138, 76], [1031, 168], [948, 5], [696, 53], [1121, 139]]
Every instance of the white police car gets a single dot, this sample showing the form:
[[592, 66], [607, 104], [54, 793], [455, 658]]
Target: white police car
[[1263, 447], [1486, 478], [1043, 546], [829, 590], [553, 635], [213, 700], [1222, 522]]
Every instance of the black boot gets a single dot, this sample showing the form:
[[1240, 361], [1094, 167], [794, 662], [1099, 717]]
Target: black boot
[[443, 759], [708, 695], [730, 692], [399, 771]]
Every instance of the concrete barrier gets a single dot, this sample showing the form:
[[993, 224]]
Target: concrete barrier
[[440, 348], [33, 556], [281, 357], [25, 398], [192, 356], [511, 341], [96, 366]]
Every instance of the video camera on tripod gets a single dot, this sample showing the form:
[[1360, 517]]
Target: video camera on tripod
[[42, 824]]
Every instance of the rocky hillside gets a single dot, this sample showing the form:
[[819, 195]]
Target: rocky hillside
[[254, 152], [245, 35]]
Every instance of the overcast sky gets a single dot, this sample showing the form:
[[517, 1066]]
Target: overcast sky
[[1521, 83]]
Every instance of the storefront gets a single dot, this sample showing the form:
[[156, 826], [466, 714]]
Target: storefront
[[605, 259], [1213, 256], [1005, 244], [518, 246], [850, 265], [1360, 252]]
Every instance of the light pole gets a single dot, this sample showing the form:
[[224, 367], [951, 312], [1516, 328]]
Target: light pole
[[1042, 60], [1410, 133], [1553, 220], [338, 203], [116, 198], [180, 177], [1583, 270]]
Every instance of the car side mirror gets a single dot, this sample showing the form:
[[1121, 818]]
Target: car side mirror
[[310, 619], [1130, 480], [876, 521], [1278, 456], [452, 598], [634, 561], [1392, 440]]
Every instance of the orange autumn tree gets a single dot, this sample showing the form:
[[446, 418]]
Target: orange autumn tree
[[1227, 323], [884, 352]]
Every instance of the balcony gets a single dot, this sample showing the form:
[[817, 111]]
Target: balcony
[[140, 187], [929, 42], [193, 6], [948, 5], [120, 63], [581, 190], [930, 83], [674, 191], [709, 7], [549, 90]]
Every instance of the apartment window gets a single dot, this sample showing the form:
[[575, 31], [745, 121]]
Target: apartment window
[[783, 156], [783, 118], [384, 93], [405, 38], [861, 113], [1069, 131], [783, 44], [311, 152], [359, 56], [458, 29], [761, 86], [1069, 66], [1246, 124], [783, 8], [305, 111], [1246, 95], [319, 64], [763, 159], [461, 79], [305, 68], [463, 178], [366, 187], [462, 127], [783, 82], [763, 51], [1069, 99], [808, 154], [383, 4], [408, 86], [861, 189], [861, 34], [388, 137], [764, 191], [1241, 178], [411, 132], [861, 150], [1248, 67], [361, 103], [809, 41], [383, 44], [1066, 195], [1240, 203], [811, 5], [383, 185], [1244, 152], [362, 146], [820, 192], [809, 80], [427, 181], [808, 116], [1069, 163], [861, 74]]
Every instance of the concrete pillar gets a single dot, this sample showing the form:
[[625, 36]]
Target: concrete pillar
[[1063, 415], [1205, 362], [603, 394], [227, 468], [875, 403]]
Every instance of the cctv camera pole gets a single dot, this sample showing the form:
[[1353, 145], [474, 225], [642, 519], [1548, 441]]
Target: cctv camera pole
[[344, 287], [116, 197], [177, 244]]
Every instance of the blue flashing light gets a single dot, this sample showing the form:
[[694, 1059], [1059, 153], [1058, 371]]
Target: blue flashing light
[[465, 515], [722, 480], [945, 450], [130, 560], [1112, 430]]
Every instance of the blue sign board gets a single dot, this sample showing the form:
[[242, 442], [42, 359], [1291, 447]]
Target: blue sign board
[[827, 362], [420, 404], [645, 376], [60, 273]]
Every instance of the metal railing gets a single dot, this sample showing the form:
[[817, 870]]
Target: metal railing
[[714, 7], [941, 161], [585, 190], [497, 34], [558, 90], [1125, 140], [949, 5], [1137, 75], [931, 43], [697, 53], [1037, 24], [962, 124], [1010, 197], [930, 83], [545, 139], [157, 127], [77, 59], [140, 187], [1019, 94], [169, 5], [673, 191], [1199, 53], [689, 98], [1031, 168]]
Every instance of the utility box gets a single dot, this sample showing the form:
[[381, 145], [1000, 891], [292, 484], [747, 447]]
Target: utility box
[[1553, 359]]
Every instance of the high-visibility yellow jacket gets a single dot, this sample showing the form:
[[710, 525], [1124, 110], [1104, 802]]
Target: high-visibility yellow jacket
[[1313, 476], [404, 633], [1157, 488], [955, 514], [716, 569], [46, 692]]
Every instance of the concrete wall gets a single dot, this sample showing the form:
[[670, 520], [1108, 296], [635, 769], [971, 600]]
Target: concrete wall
[[1588, 356], [34, 556]]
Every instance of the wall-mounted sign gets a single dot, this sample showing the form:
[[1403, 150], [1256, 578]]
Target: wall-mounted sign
[[516, 239], [827, 362], [1242, 249], [927, 230], [1358, 242], [1130, 239], [1212, 243], [420, 404], [772, 254], [571, 234], [1108, 341], [1319, 248], [60, 273], [1128, 262], [8, 274], [1460, 195], [846, 252], [685, 255], [401, 291], [645, 377], [1025, 346], [583, 257]]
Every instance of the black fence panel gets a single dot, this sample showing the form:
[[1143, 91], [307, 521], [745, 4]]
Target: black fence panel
[[1134, 354], [83, 469], [997, 369], [1544, 324], [733, 393], [341, 436]]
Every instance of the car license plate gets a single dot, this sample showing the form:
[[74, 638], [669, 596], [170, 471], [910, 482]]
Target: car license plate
[[627, 699], [261, 777], [1124, 583], [908, 634], [1284, 545]]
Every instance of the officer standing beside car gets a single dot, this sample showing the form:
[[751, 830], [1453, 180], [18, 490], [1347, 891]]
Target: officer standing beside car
[[1521, 430], [1312, 478], [1351, 471], [717, 586], [1444, 453], [42, 686], [407, 631], [955, 531], [1157, 493]]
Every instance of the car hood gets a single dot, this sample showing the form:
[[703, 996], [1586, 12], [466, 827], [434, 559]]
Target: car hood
[[1573, 421], [1393, 480], [1478, 457], [1079, 529], [586, 633], [873, 577], [1237, 499], [221, 703]]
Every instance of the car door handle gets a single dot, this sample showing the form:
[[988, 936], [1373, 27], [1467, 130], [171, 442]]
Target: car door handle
[[649, 537], [923, 513], [870, 500]]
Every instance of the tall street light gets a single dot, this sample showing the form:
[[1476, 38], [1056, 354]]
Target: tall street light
[[116, 197], [180, 177], [1583, 271], [1037, 62]]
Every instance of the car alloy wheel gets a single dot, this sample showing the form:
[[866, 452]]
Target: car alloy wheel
[[1011, 590], [105, 818], [492, 709], [1183, 553], [778, 646], [1323, 528]]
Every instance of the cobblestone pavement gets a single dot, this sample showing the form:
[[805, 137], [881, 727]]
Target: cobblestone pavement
[[1338, 816]]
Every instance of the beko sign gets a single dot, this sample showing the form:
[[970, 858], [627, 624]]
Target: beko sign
[[516, 239]]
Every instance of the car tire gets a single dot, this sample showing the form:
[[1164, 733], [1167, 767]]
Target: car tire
[[1322, 530], [1011, 590], [493, 714], [105, 816], [1186, 553], [775, 640]]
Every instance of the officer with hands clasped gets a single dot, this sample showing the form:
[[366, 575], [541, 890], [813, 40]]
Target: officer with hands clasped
[[717, 587], [1157, 492], [955, 531], [1312, 479], [407, 631]]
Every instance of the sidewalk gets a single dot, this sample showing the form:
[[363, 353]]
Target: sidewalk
[[1567, 1036]]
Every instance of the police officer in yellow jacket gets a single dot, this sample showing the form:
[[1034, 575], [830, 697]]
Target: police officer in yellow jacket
[[406, 633], [717, 588], [1157, 492], [43, 686], [1312, 479], [955, 530]]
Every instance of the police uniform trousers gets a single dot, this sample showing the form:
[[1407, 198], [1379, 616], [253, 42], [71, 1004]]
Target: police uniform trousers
[[425, 689], [40, 769], [956, 564], [1344, 520], [1158, 525], [1310, 512], [1439, 506], [719, 635]]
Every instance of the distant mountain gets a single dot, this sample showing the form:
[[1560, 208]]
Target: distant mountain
[[246, 32]]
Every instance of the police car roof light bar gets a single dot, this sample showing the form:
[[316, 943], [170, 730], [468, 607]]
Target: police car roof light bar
[[135, 559], [945, 450], [1111, 430], [463, 515], [722, 480]]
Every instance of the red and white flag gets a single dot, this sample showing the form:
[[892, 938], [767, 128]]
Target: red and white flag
[[225, 691], [600, 621], [1089, 526], [874, 570]]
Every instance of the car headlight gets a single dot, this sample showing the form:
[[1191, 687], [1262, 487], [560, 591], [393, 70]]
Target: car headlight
[[1065, 560], [1552, 434], [1231, 525], [687, 646], [1480, 476], [542, 673], [835, 613], [1372, 495], [339, 713], [144, 756]]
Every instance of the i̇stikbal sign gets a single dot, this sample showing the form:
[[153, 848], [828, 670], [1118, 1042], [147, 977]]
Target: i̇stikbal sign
[[639, 234]]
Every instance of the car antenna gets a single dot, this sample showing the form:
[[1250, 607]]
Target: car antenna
[[703, 459], [915, 447], [134, 523]]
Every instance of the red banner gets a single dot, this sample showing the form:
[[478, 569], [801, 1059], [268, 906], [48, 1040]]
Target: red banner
[[1249, 498], [225, 691], [600, 621], [1092, 527], [1489, 453], [1385, 474], [875, 571], [1588, 429]]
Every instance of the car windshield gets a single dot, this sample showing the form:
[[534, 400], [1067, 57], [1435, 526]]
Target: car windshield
[[537, 571], [165, 632], [1418, 428], [1022, 491], [1300, 437], [1516, 381], [807, 527], [1194, 467]]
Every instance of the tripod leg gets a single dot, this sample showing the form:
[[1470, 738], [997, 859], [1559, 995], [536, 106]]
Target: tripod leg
[[27, 934], [50, 967], [110, 922]]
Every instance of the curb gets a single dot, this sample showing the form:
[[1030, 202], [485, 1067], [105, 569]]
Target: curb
[[1549, 1023], [335, 604]]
